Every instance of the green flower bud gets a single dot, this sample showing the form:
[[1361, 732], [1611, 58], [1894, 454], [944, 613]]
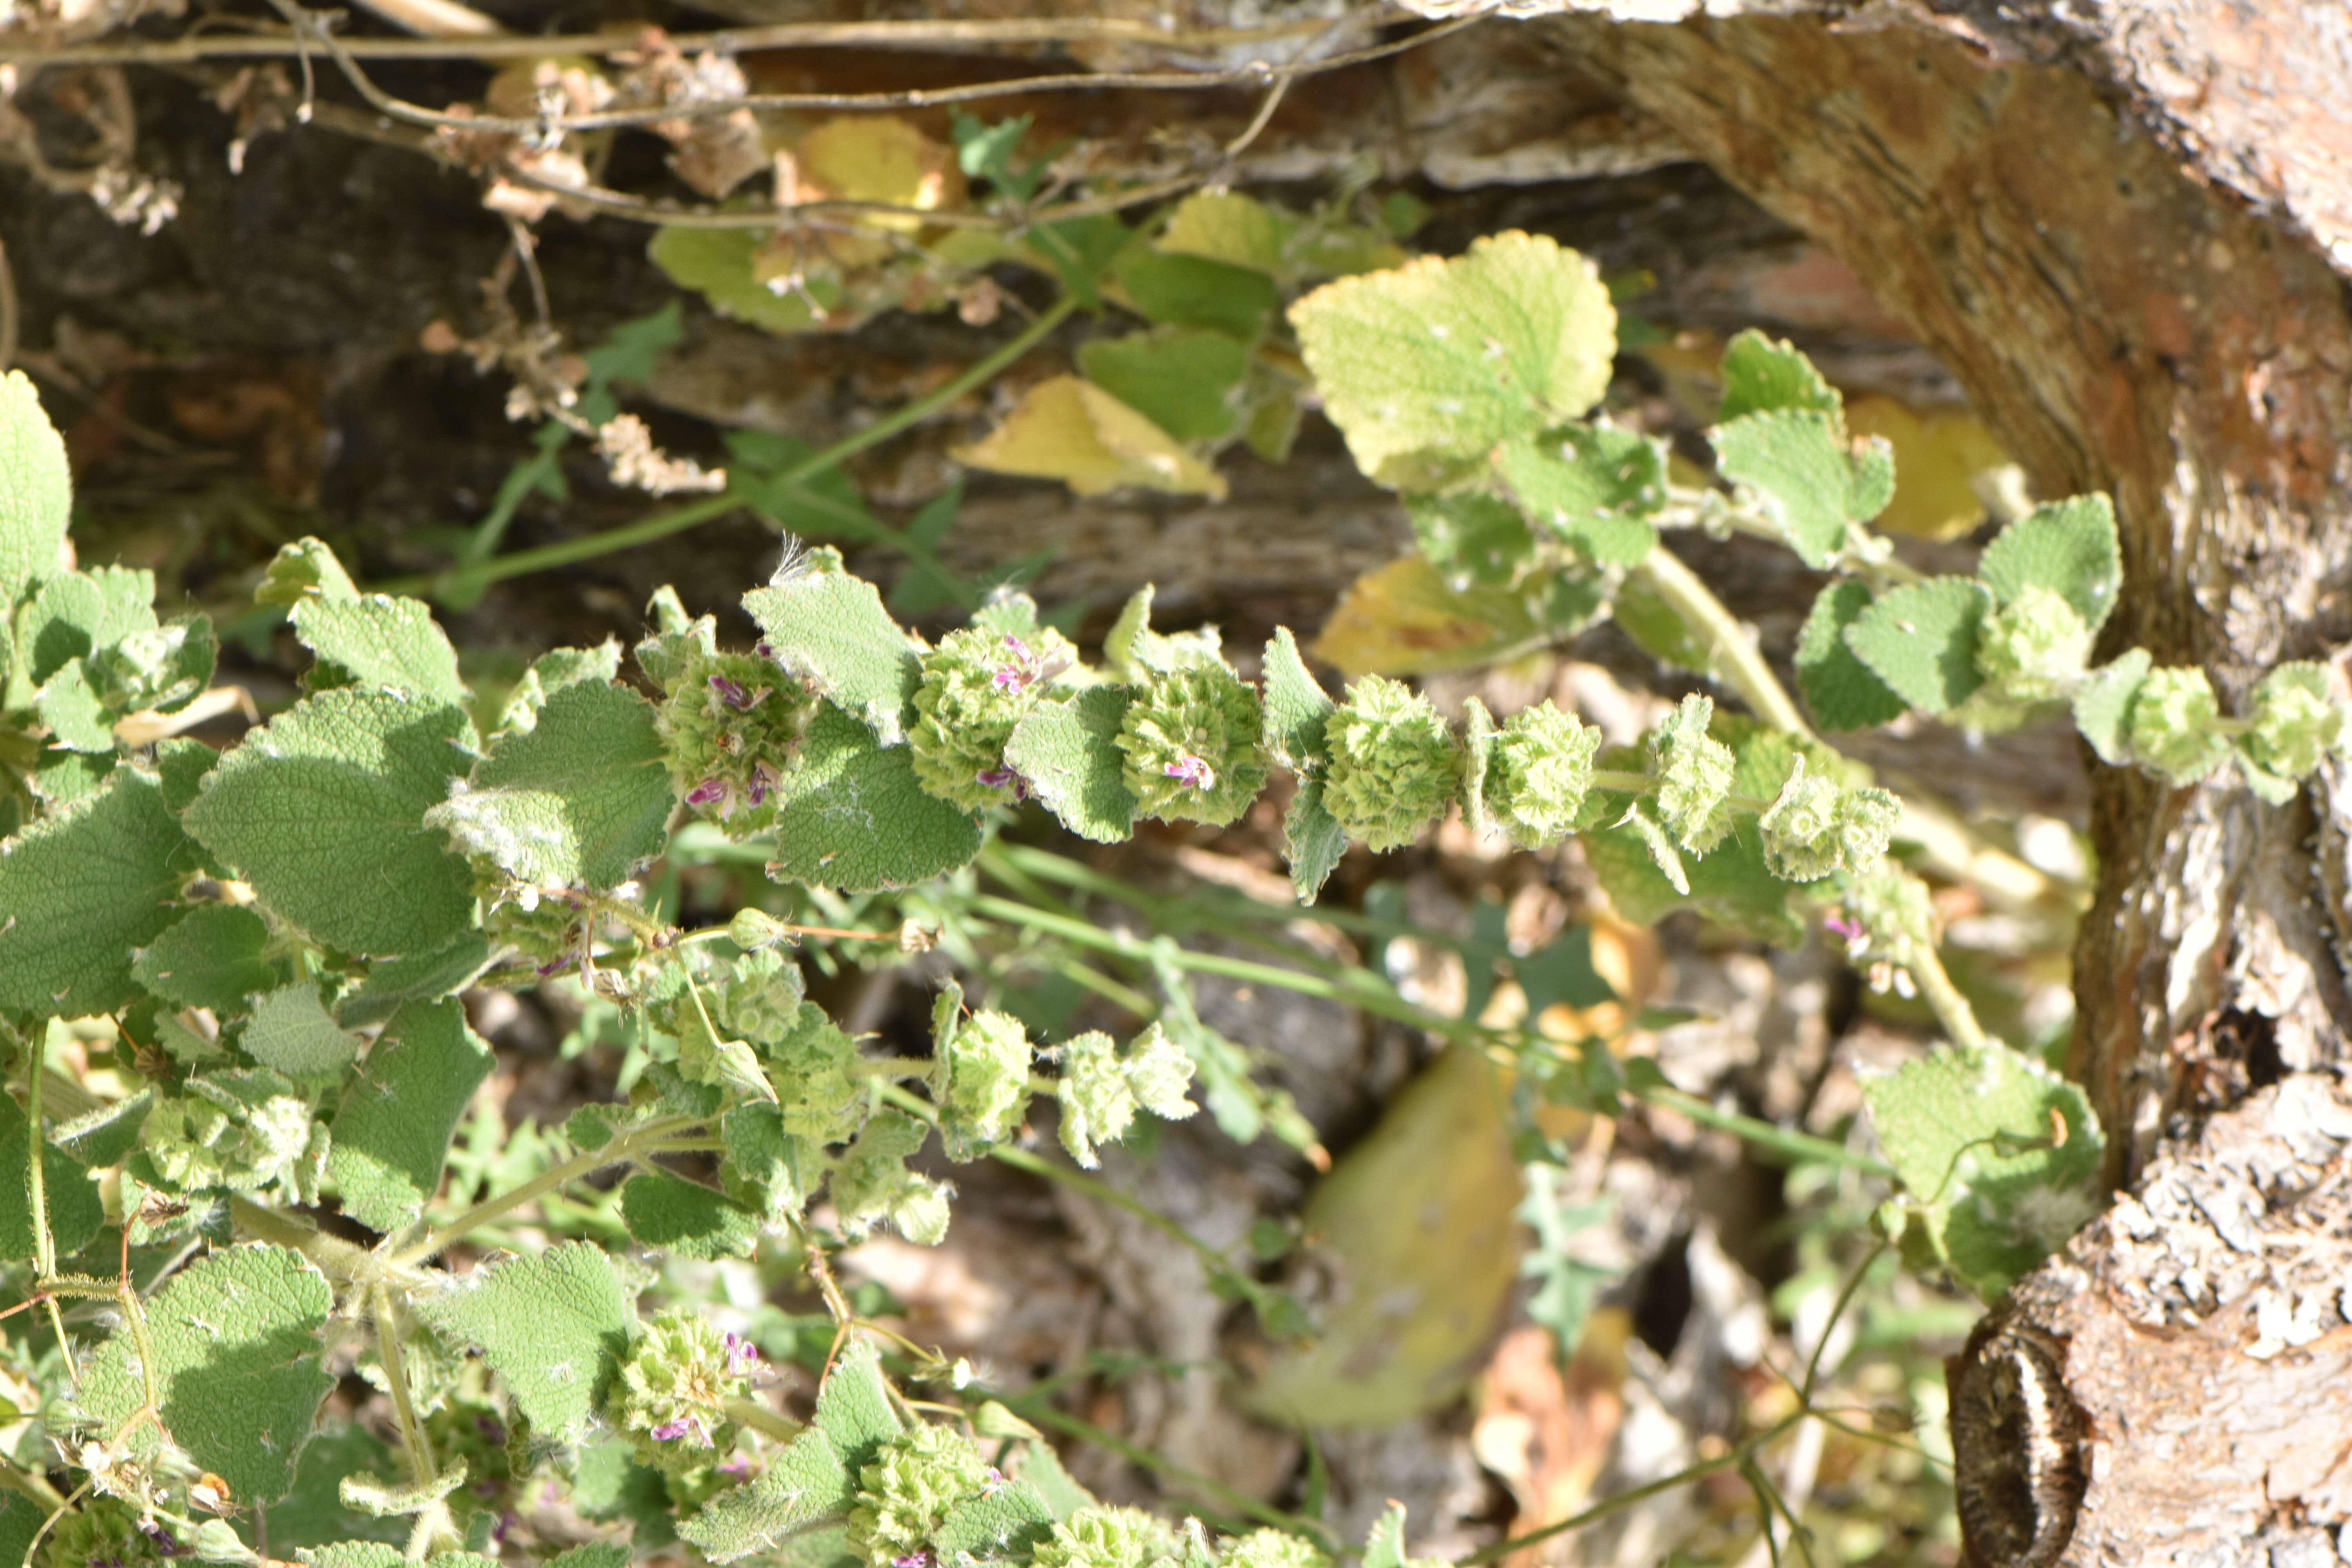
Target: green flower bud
[[102, 1531], [1102, 1087], [1542, 768], [2174, 726], [758, 997], [671, 1397], [906, 1493], [1693, 774], [732, 726], [1104, 1537], [752, 930], [1275, 1549], [1395, 766], [2296, 721], [978, 684], [2035, 649], [818, 1096], [1817, 826], [1192, 741], [988, 1083]]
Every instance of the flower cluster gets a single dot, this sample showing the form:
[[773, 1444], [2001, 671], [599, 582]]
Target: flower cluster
[[1817, 826], [1190, 737], [1103, 1086], [671, 1397], [731, 725], [1541, 770], [2033, 649], [987, 1061], [904, 1494], [1692, 772], [1395, 765], [977, 687], [1104, 1537], [248, 1129]]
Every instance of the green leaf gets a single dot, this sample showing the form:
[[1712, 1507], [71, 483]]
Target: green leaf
[[1921, 640], [36, 489], [762, 1164], [61, 778], [106, 1135], [305, 569], [1182, 379], [1589, 484], [1839, 687], [75, 1213], [84, 888], [1297, 708], [392, 1131], [1005, 1523], [424, 977], [1384, 1547], [850, 815], [2102, 705], [1312, 840], [581, 799], [74, 613], [687, 1219], [1731, 884], [1439, 359], [719, 264], [2002, 1154], [831, 627], [1476, 540], [382, 641], [805, 1487], [21, 1519], [1186, 290], [1068, 752], [312, 1513], [555, 1325], [182, 765], [210, 957], [290, 1031], [1811, 486], [323, 813], [1658, 629], [78, 720], [854, 1409], [2068, 547], [358, 1554], [238, 1361], [1761, 375]]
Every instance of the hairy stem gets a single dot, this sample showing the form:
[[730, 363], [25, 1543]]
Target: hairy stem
[[588, 1162]]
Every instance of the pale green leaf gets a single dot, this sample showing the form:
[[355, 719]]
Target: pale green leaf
[[75, 1213], [1761, 375], [383, 642], [1921, 640], [1384, 1547], [392, 1130], [1312, 840], [1072, 430], [1005, 1523], [323, 812], [830, 626], [761, 1167], [1188, 290], [2002, 1152], [1437, 360], [1297, 706], [289, 1030], [77, 718], [854, 1409], [1839, 687], [357, 1554], [1590, 485], [850, 813], [2068, 547], [239, 1362], [36, 489], [1067, 753], [803, 1488], [685, 1218], [306, 569], [2103, 704], [579, 800], [719, 264], [1813, 486], [1182, 379], [555, 1325], [1474, 540], [1478, 735], [74, 613], [81, 890]]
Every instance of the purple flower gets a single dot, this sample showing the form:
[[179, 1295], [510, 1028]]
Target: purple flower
[[742, 1356], [917, 1560], [764, 650], [1837, 923], [764, 777], [1190, 771], [708, 791], [1004, 778], [684, 1426], [731, 694]]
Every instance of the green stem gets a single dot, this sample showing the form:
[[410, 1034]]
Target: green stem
[[45, 1245], [761, 1419], [33, 1484], [588, 1162], [661, 525], [1952, 1009], [385, 1310], [1735, 655], [338, 1260], [1763, 1135]]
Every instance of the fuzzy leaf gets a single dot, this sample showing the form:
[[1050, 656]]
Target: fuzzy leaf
[[382, 641], [1296, 706], [1189, 291], [1437, 360], [2068, 547], [1072, 430], [323, 812], [763, 1163], [666, 1211], [1068, 752], [854, 1409], [805, 1486], [1839, 687], [719, 264], [36, 489], [393, 1129], [1589, 484], [581, 799], [1811, 485], [1182, 379], [828, 625], [289, 1030], [2001, 1152], [1761, 375], [1228, 226], [426, 977], [850, 815], [209, 957], [1006, 1523], [555, 1325], [75, 1213], [1312, 840], [238, 1364], [81, 890], [1473, 539], [1921, 640]]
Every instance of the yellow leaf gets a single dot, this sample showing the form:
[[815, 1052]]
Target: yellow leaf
[[876, 158], [1402, 619], [1074, 431], [1935, 459], [1416, 1222], [1226, 226]]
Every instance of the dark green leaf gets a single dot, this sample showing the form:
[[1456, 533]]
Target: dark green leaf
[[686, 1218], [1921, 640], [1183, 379], [393, 1129], [75, 1213], [1839, 687], [81, 890], [1068, 752], [1188, 290], [851, 815]]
